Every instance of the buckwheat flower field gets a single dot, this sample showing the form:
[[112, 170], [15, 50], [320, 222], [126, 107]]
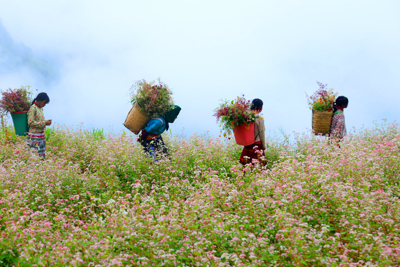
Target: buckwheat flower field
[[98, 201]]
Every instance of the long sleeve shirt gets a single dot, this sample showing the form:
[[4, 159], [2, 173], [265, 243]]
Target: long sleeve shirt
[[259, 131], [155, 126], [36, 121], [338, 126]]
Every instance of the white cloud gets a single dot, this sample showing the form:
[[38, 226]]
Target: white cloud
[[207, 51]]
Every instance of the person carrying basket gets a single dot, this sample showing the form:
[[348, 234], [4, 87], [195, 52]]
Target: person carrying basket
[[150, 137], [338, 125], [36, 123], [255, 151]]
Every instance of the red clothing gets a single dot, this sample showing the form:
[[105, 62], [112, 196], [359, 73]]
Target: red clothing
[[252, 154]]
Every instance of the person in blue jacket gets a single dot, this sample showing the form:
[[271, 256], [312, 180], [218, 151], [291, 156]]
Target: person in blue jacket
[[150, 137]]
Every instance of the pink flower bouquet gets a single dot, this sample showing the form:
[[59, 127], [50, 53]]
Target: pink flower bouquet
[[16, 100], [322, 99], [233, 113]]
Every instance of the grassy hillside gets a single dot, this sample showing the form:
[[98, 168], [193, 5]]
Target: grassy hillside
[[98, 201]]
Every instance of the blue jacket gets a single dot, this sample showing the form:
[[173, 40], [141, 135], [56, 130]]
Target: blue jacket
[[155, 126]]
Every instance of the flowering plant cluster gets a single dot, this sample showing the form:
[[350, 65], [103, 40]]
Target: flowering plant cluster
[[15, 100], [154, 99], [102, 202], [233, 113], [322, 99]]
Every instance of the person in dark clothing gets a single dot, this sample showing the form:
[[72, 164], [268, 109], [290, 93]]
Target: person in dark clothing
[[150, 137]]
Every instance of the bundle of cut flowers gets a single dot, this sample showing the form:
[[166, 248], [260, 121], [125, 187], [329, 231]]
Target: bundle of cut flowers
[[322, 99], [233, 113], [152, 98], [15, 100]]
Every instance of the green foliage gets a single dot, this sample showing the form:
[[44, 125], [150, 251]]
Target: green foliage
[[99, 200], [97, 134], [154, 99], [8, 257]]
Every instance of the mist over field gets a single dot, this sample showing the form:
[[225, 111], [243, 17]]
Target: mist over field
[[86, 55]]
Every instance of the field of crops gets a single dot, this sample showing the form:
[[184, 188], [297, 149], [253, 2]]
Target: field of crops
[[98, 201]]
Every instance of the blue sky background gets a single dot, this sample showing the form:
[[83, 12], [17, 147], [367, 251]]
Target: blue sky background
[[87, 54]]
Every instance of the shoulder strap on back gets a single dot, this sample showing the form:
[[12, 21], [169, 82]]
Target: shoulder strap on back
[[159, 119]]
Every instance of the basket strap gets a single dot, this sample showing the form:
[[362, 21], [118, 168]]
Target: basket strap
[[162, 122], [258, 130]]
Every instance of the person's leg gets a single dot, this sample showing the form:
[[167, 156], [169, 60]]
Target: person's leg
[[37, 142], [152, 151], [334, 141], [160, 147], [30, 142], [244, 157], [42, 148], [146, 146]]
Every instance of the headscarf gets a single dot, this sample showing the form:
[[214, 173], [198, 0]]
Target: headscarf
[[171, 115]]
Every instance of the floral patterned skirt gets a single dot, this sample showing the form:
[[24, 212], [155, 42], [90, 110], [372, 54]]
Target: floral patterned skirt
[[252, 154], [155, 147], [38, 142]]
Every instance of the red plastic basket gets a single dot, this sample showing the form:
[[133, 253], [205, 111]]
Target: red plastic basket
[[244, 134]]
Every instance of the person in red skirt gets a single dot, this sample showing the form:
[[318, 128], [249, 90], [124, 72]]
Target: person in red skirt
[[253, 153]]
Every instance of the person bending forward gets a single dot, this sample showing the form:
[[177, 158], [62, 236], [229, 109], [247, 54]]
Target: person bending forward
[[150, 137]]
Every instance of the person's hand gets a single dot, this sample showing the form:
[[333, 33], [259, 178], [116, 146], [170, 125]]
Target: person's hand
[[48, 122], [143, 135]]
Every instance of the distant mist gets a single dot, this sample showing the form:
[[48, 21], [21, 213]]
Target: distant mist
[[15, 57], [87, 54]]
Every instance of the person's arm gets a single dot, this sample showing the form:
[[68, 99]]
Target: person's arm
[[262, 134], [143, 135], [31, 119], [153, 125]]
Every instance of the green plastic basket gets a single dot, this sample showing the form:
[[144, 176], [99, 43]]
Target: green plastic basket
[[20, 120]]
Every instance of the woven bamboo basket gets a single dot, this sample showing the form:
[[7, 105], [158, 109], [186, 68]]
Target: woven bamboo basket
[[136, 119], [321, 122]]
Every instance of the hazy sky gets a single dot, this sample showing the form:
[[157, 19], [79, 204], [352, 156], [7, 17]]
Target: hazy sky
[[87, 54]]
